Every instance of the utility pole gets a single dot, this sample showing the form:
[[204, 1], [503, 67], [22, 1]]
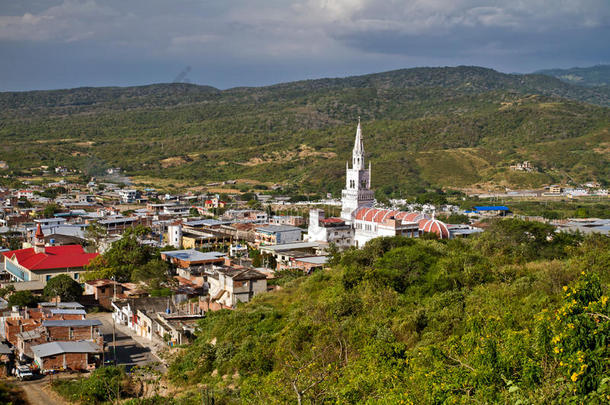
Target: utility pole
[[113, 320]]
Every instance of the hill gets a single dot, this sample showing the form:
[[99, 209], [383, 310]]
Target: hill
[[590, 76], [515, 315], [475, 121]]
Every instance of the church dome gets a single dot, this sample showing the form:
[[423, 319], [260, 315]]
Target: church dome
[[436, 226]]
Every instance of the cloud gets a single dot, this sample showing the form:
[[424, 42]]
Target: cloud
[[307, 37]]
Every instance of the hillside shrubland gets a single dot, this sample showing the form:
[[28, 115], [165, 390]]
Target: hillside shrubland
[[475, 121], [518, 314]]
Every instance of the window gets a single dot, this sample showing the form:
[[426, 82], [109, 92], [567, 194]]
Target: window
[[47, 278], [76, 276]]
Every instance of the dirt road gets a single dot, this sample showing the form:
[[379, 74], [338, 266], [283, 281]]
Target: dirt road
[[38, 392]]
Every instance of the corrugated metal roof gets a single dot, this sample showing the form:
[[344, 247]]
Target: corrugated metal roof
[[192, 255], [53, 348], [492, 208], [68, 311], [72, 322], [278, 228]]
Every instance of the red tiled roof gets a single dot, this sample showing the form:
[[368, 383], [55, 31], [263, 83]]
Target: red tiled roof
[[436, 226], [331, 220], [54, 257], [381, 215]]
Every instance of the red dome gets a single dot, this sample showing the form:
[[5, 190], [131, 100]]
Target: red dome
[[436, 226]]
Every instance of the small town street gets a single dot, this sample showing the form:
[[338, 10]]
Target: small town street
[[129, 351]]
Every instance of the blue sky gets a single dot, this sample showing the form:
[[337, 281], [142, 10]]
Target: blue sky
[[69, 43]]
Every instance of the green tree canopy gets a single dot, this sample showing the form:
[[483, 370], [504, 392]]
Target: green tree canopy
[[23, 299], [64, 287]]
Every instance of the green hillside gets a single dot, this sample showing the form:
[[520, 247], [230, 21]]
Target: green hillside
[[422, 127], [515, 315], [590, 76]]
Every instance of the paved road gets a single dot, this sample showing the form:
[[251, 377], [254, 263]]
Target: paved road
[[128, 351]]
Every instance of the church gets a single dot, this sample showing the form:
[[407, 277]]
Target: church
[[360, 221]]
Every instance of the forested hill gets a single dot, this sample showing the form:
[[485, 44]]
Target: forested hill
[[441, 127], [590, 76], [466, 79]]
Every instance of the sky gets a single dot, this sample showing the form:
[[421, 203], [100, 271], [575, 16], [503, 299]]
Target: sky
[[51, 44]]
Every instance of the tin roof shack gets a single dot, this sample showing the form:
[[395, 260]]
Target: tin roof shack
[[230, 285], [73, 330], [77, 356]]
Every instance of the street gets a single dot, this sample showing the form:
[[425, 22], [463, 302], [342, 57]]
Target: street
[[128, 352]]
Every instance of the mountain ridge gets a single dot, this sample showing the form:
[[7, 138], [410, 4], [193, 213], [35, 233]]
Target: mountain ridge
[[290, 129]]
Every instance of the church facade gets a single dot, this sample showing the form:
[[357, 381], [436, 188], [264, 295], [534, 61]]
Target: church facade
[[360, 221]]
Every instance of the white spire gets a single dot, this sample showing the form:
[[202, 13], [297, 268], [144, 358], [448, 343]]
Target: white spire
[[358, 147]]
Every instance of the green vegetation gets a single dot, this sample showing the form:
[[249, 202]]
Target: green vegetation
[[11, 395], [64, 287], [590, 76], [128, 260], [518, 314], [23, 299], [423, 128], [105, 384]]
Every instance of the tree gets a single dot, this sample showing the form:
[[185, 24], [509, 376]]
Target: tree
[[50, 210], [95, 233], [64, 287], [22, 299], [128, 260]]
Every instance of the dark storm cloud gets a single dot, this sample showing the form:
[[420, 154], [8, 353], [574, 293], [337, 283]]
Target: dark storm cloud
[[65, 43]]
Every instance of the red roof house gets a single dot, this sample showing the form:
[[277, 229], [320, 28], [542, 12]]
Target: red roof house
[[43, 262]]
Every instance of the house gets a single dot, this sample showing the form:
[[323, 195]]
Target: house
[[309, 263], [75, 329], [176, 329], [283, 253], [77, 356], [230, 285], [255, 216], [277, 234], [187, 258], [44, 262], [214, 203], [137, 313], [292, 220], [329, 230], [128, 196]]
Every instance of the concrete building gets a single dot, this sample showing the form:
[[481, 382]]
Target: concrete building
[[329, 230], [277, 234], [230, 285], [128, 196]]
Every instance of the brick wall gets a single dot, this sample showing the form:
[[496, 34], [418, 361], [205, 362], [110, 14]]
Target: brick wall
[[78, 333]]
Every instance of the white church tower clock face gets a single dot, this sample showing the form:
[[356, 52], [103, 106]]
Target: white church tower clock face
[[357, 192]]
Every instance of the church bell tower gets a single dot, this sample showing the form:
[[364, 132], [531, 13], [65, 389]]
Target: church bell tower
[[357, 191]]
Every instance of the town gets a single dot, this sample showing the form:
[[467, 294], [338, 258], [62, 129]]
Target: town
[[66, 308]]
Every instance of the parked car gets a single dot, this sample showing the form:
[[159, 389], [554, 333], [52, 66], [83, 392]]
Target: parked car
[[23, 373]]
